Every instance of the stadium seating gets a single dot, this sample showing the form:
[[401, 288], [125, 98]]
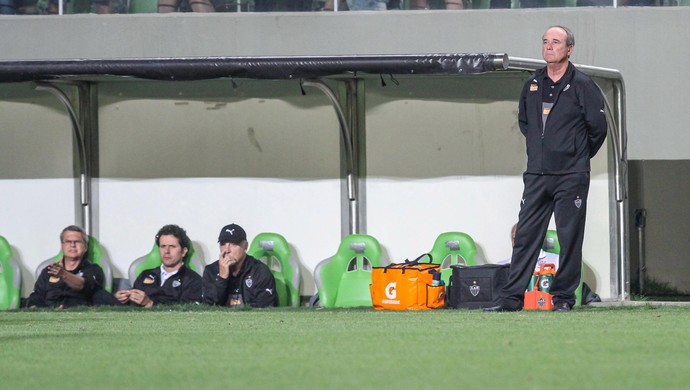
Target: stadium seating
[[452, 248], [143, 6], [153, 260], [95, 255], [234, 5], [561, 3], [273, 250], [343, 279], [481, 4], [552, 245], [7, 7], [10, 277]]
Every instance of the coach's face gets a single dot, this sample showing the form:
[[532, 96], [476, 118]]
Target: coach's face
[[554, 47]]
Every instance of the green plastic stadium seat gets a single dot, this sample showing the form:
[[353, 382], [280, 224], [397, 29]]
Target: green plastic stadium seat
[[77, 7], [481, 4], [552, 245], [273, 250], [153, 260], [10, 277], [95, 254], [143, 7], [561, 3], [343, 280], [452, 248]]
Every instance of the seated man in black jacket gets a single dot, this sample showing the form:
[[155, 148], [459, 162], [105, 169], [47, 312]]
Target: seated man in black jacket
[[73, 280], [172, 282], [237, 279]]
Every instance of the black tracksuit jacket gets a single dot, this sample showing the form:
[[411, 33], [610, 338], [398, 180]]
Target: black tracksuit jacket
[[567, 143], [183, 287], [254, 283], [51, 291]]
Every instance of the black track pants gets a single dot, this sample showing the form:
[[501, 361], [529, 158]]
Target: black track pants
[[564, 196]]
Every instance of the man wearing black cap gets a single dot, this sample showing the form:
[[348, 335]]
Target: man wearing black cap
[[237, 279]]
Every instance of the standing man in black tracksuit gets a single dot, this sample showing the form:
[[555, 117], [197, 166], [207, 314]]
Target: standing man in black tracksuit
[[561, 114], [237, 279]]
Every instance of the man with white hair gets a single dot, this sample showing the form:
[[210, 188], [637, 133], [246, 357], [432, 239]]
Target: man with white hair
[[561, 114]]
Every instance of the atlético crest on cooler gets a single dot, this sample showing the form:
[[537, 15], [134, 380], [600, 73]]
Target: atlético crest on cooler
[[248, 281], [474, 289]]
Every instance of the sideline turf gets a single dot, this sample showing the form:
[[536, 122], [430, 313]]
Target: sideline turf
[[196, 348]]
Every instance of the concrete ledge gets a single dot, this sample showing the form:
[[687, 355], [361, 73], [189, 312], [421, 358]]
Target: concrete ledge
[[638, 303]]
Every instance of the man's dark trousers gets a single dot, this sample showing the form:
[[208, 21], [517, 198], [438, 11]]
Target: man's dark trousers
[[566, 197]]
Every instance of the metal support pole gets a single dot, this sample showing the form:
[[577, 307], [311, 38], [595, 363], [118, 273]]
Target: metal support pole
[[346, 134], [84, 173], [352, 92], [640, 223], [621, 167]]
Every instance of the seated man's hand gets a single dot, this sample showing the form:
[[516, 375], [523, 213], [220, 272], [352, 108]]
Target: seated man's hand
[[55, 269], [123, 295], [75, 282], [140, 298], [224, 263]]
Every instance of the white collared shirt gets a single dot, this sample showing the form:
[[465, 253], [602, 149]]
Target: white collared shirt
[[544, 258], [165, 275]]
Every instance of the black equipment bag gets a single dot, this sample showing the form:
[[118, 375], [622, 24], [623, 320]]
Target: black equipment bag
[[476, 287]]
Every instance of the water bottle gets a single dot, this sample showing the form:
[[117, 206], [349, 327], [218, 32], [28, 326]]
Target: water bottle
[[546, 274], [533, 281], [436, 281], [545, 282]]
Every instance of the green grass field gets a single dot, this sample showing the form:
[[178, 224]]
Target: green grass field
[[208, 348]]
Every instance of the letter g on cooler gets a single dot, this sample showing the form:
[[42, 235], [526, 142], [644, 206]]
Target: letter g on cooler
[[391, 292]]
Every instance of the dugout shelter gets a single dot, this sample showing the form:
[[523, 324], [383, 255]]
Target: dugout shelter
[[465, 166]]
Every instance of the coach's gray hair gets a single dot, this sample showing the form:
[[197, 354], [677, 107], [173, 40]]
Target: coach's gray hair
[[74, 228], [569, 36]]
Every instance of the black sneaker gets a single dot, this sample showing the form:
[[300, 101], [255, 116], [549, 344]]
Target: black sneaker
[[561, 306]]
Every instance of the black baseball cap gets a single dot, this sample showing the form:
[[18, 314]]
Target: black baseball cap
[[232, 233]]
